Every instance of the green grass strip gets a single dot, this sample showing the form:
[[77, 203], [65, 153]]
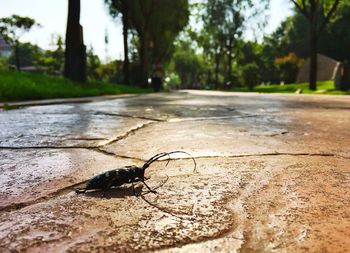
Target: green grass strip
[[324, 87], [20, 86]]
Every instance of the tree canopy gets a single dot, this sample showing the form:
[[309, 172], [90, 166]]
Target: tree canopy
[[156, 23], [318, 13], [211, 51], [12, 28]]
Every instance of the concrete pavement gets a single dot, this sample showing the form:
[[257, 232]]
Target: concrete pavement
[[273, 174]]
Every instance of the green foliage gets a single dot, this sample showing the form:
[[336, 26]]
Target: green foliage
[[224, 24], [288, 67], [3, 64], [338, 35], [318, 14], [51, 61], [174, 80], [27, 54], [13, 27], [174, 16], [188, 65], [115, 7], [93, 62], [156, 23], [251, 75], [325, 87], [259, 54], [45, 61], [109, 72], [292, 37], [121, 7], [8, 107], [18, 86]]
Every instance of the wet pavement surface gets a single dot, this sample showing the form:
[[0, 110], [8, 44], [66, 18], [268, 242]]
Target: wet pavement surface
[[272, 175]]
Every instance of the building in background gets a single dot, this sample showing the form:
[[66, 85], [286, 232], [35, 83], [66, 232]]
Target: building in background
[[326, 69]]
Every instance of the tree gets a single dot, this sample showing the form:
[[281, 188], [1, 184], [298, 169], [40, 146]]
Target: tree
[[339, 32], [292, 35], [12, 28], [318, 13], [75, 54], [51, 61], [188, 65], [93, 63], [213, 37], [157, 23], [288, 67], [25, 54], [117, 7], [224, 23], [251, 75]]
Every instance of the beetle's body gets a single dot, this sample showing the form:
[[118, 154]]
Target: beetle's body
[[120, 176], [116, 177]]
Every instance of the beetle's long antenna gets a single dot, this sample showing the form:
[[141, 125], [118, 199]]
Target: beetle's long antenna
[[154, 158], [160, 155], [194, 161]]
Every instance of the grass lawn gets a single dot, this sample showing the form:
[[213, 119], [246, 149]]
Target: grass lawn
[[325, 87], [20, 86]]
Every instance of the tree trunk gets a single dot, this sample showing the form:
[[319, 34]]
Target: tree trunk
[[313, 55], [125, 12], [144, 61], [229, 61], [217, 65], [75, 54], [18, 63]]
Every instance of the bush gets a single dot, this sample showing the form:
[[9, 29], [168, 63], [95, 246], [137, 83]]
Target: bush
[[288, 67], [250, 74], [3, 64]]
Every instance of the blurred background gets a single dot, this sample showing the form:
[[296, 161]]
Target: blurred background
[[78, 48]]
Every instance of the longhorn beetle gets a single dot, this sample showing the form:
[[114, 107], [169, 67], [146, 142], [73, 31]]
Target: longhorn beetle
[[128, 174]]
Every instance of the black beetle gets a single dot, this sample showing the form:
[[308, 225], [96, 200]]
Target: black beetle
[[128, 174]]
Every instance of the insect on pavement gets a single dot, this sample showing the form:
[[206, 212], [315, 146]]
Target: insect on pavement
[[126, 175]]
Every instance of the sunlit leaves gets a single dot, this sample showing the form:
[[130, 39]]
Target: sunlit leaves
[[13, 27]]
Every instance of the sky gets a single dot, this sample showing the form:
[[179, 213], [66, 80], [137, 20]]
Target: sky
[[52, 15]]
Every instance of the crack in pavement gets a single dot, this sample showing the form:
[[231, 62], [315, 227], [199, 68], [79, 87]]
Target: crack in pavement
[[128, 133], [97, 149], [212, 118], [55, 194], [62, 191], [128, 116], [109, 141], [105, 152]]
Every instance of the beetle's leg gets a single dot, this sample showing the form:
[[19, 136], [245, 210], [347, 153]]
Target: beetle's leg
[[105, 189], [133, 188], [148, 187], [80, 190]]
